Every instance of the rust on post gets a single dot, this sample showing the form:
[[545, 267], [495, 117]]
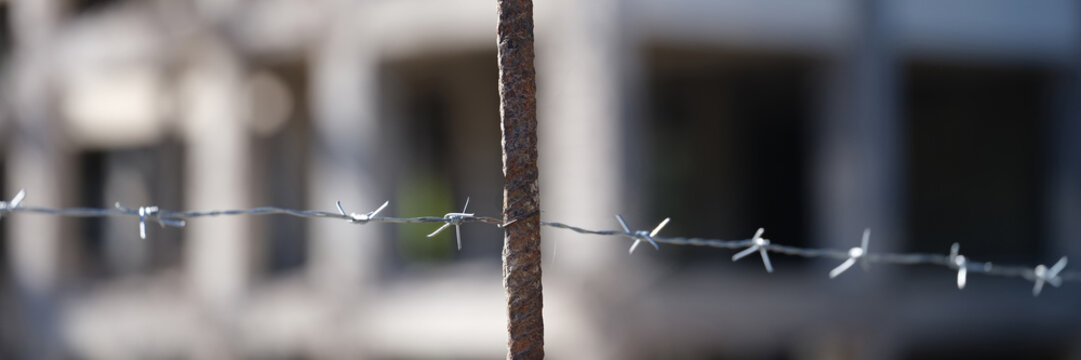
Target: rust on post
[[521, 197]]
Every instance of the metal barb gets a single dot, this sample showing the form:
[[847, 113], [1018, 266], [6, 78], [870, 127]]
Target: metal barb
[[150, 212], [1042, 274], [14, 203], [1054, 275], [456, 220], [640, 235], [958, 261], [854, 254], [760, 245], [17, 199], [355, 218], [145, 211]]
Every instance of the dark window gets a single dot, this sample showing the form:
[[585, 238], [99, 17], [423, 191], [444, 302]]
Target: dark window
[[281, 146], [728, 147], [144, 176], [447, 123], [87, 6], [5, 32], [975, 160]]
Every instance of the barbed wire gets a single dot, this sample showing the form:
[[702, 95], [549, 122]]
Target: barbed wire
[[1039, 275]]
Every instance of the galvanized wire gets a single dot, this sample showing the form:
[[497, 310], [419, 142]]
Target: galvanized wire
[[1039, 275]]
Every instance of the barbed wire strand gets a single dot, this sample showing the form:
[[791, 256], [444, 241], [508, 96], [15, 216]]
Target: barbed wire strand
[[1039, 274]]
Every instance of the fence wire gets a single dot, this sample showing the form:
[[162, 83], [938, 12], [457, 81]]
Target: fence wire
[[1038, 275]]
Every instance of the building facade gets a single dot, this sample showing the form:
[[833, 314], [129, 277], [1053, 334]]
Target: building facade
[[931, 122]]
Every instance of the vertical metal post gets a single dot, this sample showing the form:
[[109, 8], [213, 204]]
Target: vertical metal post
[[521, 197]]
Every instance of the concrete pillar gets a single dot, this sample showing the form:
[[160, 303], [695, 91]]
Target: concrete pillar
[[586, 67], [347, 157], [37, 162], [859, 140], [583, 67], [857, 170], [218, 176], [1063, 191]]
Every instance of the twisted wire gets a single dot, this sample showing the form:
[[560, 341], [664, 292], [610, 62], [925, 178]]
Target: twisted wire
[[178, 218]]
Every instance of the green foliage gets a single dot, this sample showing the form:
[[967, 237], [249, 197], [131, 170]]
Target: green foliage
[[425, 194]]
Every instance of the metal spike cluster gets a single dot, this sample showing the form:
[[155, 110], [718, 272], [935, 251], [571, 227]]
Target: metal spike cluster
[[456, 220], [958, 261], [1039, 275], [640, 235], [9, 206], [855, 254], [758, 244]]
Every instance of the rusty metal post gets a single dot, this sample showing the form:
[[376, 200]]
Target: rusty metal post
[[521, 198]]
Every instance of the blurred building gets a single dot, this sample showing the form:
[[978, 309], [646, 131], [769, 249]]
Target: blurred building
[[929, 121]]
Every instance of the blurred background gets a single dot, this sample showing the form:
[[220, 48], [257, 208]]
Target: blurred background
[[929, 121]]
